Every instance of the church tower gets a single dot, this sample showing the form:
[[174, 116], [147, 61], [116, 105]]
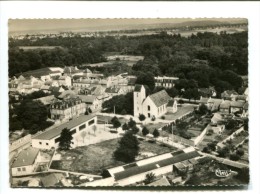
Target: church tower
[[139, 97]]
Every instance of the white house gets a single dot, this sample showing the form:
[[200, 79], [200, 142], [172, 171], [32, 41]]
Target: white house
[[50, 138], [154, 105], [26, 162]]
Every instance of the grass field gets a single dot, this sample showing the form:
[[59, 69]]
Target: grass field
[[93, 158]]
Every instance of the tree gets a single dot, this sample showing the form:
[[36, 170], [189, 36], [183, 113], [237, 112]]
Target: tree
[[231, 124], [156, 133], [65, 139], [125, 127], [182, 125], [141, 117], [146, 78], [116, 123], [32, 115], [240, 152], [131, 123], [145, 131], [234, 157], [135, 129], [243, 175], [203, 109], [212, 146], [149, 178], [128, 148], [223, 152]]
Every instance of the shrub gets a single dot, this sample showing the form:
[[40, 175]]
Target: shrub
[[234, 157], [240, 152], [151, 141]]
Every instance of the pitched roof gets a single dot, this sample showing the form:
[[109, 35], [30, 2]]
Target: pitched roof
[[132, 80], [241, 97], [55, 131], [112, 90], [68, 94], [26, 157], [225, 104], [171, 103], [38, 72], [238, 104], [151, 166], [160, 98], [217, 117], [246, 106], [46, 100], [89, 99]]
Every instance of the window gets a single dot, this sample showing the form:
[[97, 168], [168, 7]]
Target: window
[[91, 122], [148, 107], [73, 131], [19, 169], [82, 127], [24, 168], [57, 140], [40, 143], [149, 115], [47, 143]]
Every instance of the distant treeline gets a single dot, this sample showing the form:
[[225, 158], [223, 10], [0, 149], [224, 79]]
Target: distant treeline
[[164, 54]]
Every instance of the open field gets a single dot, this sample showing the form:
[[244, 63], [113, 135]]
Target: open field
[[93, 158]]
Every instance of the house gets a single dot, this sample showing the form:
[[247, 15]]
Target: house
[[114, 91], [50, 138], [228, 94], [72, 71], [216, 119], [154, 105], [236, 106], [67, 108], [224, 107], [172, 106], [66, 94], [214, 103], [43, 74], [91, 101], [56, 90], [245, 110], [243, 98], [166, 82], [63, 80], [207, 92], [159, 165], [26, 162]]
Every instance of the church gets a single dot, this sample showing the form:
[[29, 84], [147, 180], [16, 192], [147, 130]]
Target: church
[[154, 105]]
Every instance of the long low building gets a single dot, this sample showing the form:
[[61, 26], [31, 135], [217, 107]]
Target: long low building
[[161, 164], [50, 139]]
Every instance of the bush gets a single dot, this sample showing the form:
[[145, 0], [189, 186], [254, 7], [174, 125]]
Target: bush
[[153, 118], [151, 141], [206, 150], [240, 152], [234, 157]]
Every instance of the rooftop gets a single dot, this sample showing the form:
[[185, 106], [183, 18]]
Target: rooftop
[[161, 182], [237, 104], [55, 131], [160, 98], [26, 157]]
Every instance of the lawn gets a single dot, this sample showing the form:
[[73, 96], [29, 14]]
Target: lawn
[[107, 119], [93, 158]]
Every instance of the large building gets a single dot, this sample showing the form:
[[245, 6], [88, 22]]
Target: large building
[[50, 138], [67, 109], [154, 105], [166, 82]]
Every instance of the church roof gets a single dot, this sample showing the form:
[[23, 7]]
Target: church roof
[[160, 98], [137, 88]]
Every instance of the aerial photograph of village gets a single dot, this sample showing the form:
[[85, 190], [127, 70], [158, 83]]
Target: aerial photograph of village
[[128, 102]]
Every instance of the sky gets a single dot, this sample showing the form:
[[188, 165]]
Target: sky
[[33, 25]]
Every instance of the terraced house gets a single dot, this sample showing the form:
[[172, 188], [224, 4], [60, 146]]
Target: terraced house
[[67, 109]]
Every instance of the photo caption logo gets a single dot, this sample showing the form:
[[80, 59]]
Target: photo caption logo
[[222, 173]]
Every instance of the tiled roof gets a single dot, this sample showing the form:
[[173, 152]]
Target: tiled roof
[[217, 117], [68, 94], [46, 99], [160, 98], [26, 157], [112, 90], [54, 132], [38, 72], [89, 99], [171, 103]]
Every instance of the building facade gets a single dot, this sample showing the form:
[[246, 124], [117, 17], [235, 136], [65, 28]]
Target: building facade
[[166, 82], [51, 138], [67, 109]]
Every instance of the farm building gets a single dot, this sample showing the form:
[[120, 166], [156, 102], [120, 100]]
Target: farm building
[[50, 138]]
